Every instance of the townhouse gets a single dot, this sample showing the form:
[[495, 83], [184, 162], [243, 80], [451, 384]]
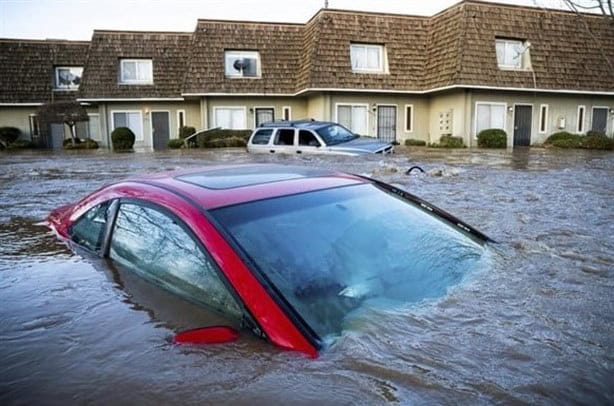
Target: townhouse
[[475, 65]]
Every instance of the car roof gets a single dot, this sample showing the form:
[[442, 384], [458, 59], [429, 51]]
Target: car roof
[[308, 124], [219, 186]]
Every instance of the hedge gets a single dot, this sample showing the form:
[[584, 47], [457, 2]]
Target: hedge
[[492, 138], [186, 131], [175, 143], [9, 134], [122, 139], [415, 143], [592, 140], [80, 144], [20, 144], [448, 141], [223, 138]]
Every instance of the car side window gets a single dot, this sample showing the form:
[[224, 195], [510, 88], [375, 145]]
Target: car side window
[[262, 137], [155, 245], [88, 230], [284, 136], [307, 138]]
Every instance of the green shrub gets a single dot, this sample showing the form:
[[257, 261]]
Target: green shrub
[[447, 141], [122, 139], [9, 134], [68, 141], [80, 144], [20, 144], [597, 140], [186, 131], [175, 143], [492, 138], [416, 143], [223, 138], [564, 139]]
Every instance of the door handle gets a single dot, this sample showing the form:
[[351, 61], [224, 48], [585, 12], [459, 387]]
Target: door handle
[[272, 151], [299, 152]]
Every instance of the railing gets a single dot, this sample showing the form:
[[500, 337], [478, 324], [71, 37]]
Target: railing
[[186, 140]]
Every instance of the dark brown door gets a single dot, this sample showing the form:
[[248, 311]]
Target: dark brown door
[[600, 119], [522, 125], [160, 129]]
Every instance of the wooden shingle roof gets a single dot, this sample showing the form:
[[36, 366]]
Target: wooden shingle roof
[[167, 50], [280, 47], [27, 68]]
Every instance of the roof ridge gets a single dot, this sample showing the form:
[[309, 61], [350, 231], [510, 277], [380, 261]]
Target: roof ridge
[[45, 41], [105, 31]]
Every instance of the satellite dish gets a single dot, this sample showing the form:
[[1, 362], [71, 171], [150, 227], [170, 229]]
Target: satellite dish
[[240, 64]]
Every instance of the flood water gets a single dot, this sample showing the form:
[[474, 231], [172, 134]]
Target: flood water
[[536, 327]]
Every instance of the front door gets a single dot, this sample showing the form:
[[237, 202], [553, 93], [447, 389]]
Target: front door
[[522, 125], [600, 119], [160, 129], [264, 115], [387, 123]]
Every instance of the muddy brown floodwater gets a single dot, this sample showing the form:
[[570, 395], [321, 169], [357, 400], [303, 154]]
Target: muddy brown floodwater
[[537, 327]]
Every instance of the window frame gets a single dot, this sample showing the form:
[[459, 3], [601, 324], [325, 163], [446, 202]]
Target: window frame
[[137, 81], [180, 113], [475, 115], [34, 125], [383, 58], [136, 136], [410, 128], [580, 123], [524, 56], [607, 114], [288, 110], [543, 119], [242, 53], [351, 105], [217, 108], [69, 88]]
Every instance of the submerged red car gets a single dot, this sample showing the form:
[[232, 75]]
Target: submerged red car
[[290, 253]]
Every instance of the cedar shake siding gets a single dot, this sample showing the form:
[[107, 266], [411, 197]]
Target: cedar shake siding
[[279, 45], [169, 53], [567, 51], [27, 69]]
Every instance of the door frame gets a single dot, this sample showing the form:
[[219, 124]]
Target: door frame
[[514, 122], [607, 113], [256, 108], [151, 133], [396, 119]]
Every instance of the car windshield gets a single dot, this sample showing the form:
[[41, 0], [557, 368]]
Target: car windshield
[[335, 134], [334, 252]]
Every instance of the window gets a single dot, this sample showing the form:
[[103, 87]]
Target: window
[[306, 138], [263, 115], [409, 118], [131, 119], [580, 123], [68, 77], [354, 117], [512, 54], [160, 248], [88, 231], [489, 115], [180, 120], [230, 117], [242, 64], [262, 137], [600, 119], [367, 58], [136, 72], [287, 113], [34, 126], [543, 119], [284, 137]]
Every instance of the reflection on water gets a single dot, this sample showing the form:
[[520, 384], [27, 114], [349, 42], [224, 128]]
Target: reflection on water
[[534, 328]]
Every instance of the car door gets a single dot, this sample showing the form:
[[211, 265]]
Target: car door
[[308, 143], [284, 141]]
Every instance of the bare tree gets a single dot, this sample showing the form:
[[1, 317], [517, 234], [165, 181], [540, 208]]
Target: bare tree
[[68, 113], [604, 7]]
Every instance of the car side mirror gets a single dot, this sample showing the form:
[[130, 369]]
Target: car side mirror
[[207, 335]]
